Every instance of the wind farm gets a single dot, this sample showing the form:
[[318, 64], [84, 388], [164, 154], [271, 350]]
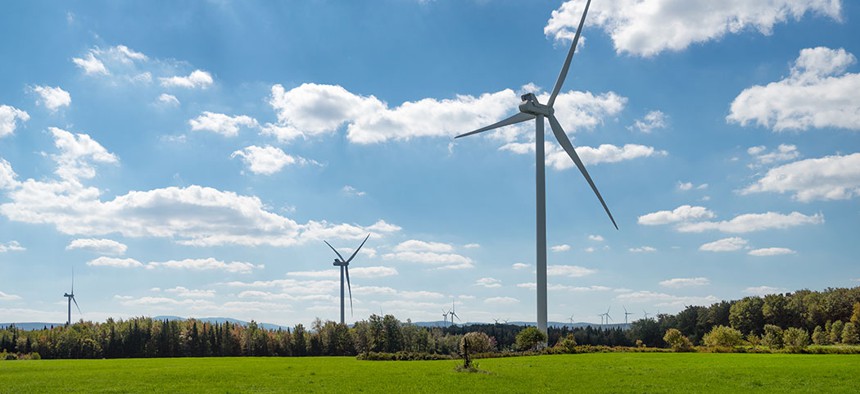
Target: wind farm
[[189, 161]]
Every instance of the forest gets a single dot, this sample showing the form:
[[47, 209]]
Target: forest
[[827, 317]]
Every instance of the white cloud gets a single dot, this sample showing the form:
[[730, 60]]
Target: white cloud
[[595, 238], [644, 249], [827, 178], [413, 245], [53, 98], [91, 65], [754, 222], [782, 153], [225, 125], [818, 94], [763, 290], [207, 264], [442, 260], [651, 121], [191, 293], [560, 248], [9, 117], [472, 246], [266, 160], [687, 186], [725, 245], [351, 191], [77, 153], [771, 252], [572, 271], [558, 159], [102, 246], [520, 266], [168, 99], [683, 213], [8, 297], [649, 27], [104, 261], [11, 246], [668, 300], [197, 79], [356, 272], [501, 301], [488, 282], [685, 282]]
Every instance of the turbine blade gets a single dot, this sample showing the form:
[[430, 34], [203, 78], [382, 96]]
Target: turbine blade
[[76, 304], [359, 248], [568, 147], [346, 268], [563, 74], [335, 250], [519, 117]]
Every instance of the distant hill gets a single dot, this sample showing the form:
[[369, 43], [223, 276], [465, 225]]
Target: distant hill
[[28, 326], [31, 326], [440, 323]]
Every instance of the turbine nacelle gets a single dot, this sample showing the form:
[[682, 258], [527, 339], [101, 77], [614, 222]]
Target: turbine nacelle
[[531, 106]]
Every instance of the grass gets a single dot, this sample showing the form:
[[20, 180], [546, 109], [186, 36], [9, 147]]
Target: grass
[[597, 372]]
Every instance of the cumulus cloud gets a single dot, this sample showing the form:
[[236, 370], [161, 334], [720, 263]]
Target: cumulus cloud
[[7, 176], [414, 245], [666, 300], [197, 79], [684, 213], [53, 97], [828, 178], [771, 252], [595, 238], [560, 248], [266, 160], [488, 282], [77, 154], [687, 186], [649, 27], [571, 271], [643, 249], [558, 159], [11, 246], [819, 93], [438, 254], [754, 222], [207, 264], [685, 282], [351, 191], [9, 118], [105, 261], [91, 65], [520, 266], [356, 272], [725, 245], [225, 125], [650, 122], [763, 290], [95, 245], [191, 293], [168, 99]]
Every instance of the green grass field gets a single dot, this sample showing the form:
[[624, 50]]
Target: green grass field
[[598, 372]]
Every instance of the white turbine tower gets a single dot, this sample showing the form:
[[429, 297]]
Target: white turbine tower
[[71, 298], [530, 109], [344, 268]]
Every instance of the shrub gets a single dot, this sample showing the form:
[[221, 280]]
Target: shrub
[[478, 343], [677, 341], [11, 356], [722, 336], [836, 332], [530, 338], [850, 335], [819, 337], [566, 344], [855, 317], [772, 337], [795, 339]]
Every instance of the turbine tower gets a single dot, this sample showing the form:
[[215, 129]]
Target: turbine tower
[[530, 109], [626, 314], [71, 298], [344, 268], [453, 313]]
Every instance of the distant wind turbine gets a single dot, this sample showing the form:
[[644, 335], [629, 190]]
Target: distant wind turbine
[[626, 314], [71, 298], [445, 316], [453, 313], [606, 314], [344, 268], [644, 313], [530, 109], [571, 318]]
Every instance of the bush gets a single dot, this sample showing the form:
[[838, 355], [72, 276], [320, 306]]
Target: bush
[[566, 344], [478, 343], [530, 338], [11, 356], [772, 337], [796, 339], [850, 335], [819, 337], [836, 332], [677, 341], [722, 336]]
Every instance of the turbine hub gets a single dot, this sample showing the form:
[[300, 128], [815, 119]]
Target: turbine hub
[[530, 105]]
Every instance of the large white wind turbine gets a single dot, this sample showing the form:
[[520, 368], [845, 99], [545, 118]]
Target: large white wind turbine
[[71, 298], [530, 109], [344, 268]]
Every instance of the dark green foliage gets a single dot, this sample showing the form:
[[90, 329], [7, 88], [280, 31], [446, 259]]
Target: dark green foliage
[[795, 339], [772, 337], [530, 338], [836, 331], [850, 334]]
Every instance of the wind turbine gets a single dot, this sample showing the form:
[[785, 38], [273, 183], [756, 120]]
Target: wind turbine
[[453, 314], [606, 314], [344, 268], [645, 314], [571, 319], [530, 109], [445, 317], [71, 298], [626, 313]]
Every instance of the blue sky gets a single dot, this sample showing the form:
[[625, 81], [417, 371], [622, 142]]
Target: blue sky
[[189, 158]]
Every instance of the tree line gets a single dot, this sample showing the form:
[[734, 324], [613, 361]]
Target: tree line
[[825, 316]]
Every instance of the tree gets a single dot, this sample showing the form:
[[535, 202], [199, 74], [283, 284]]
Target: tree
[[568, 344], [530, 338], [300, 347], [836, 332], [850, 334], [722, 336], [746, 316], [795, 339], [677, 341], [772, 337], [855, 317], [819, 337], [477, 342]]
